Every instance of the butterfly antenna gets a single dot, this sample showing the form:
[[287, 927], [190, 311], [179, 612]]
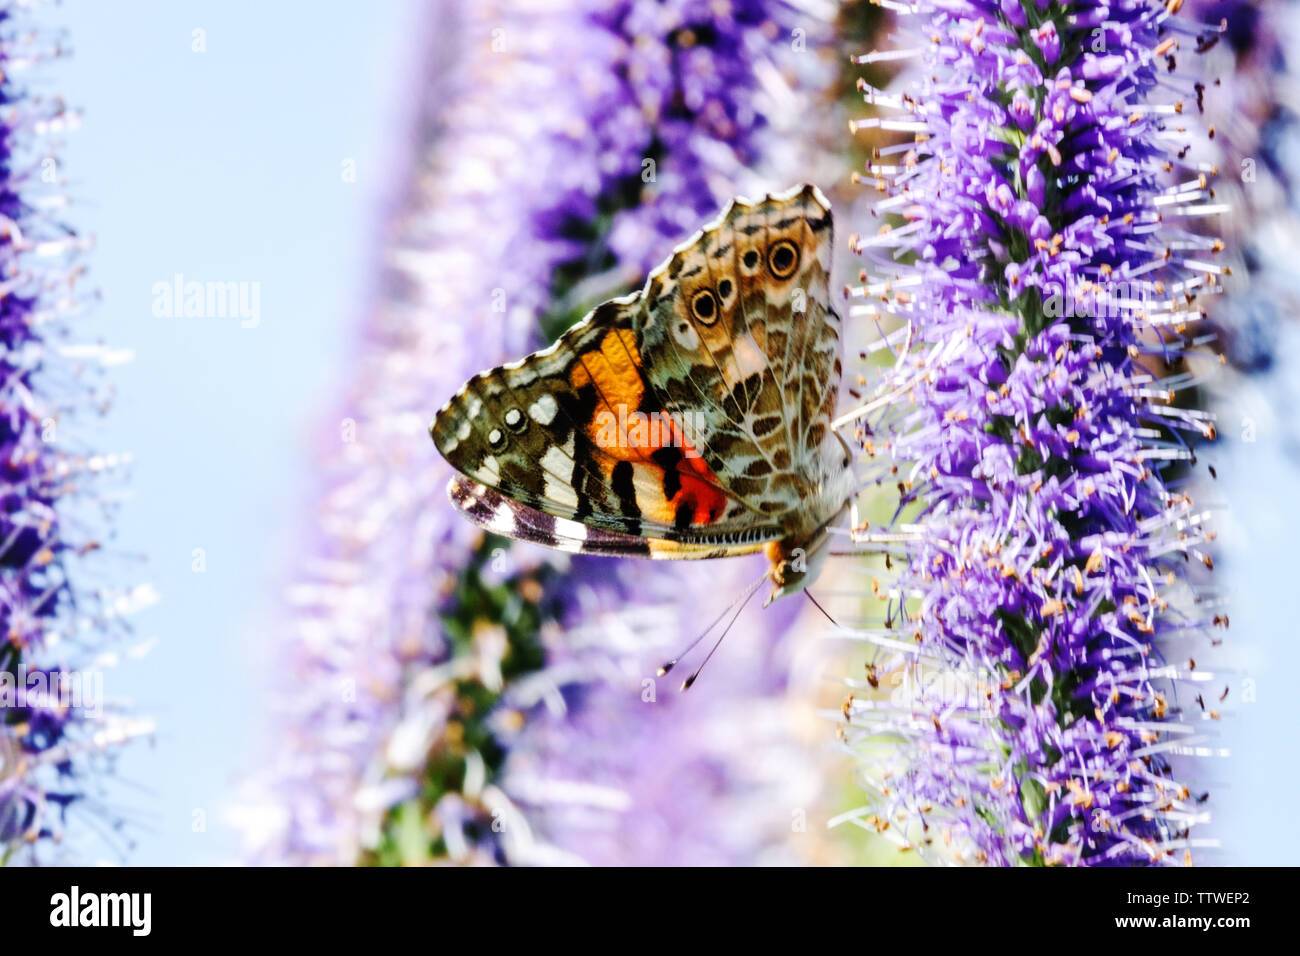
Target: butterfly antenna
[[666, 667], [744, 600], [817, 605], [745, 596]]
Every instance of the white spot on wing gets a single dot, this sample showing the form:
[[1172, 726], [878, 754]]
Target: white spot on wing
[[686, 337], [503, 520], [571, 535], [543, 410], [489, 470], [556, 463]]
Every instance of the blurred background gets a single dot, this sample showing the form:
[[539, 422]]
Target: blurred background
[[225, 163], [339, 670]]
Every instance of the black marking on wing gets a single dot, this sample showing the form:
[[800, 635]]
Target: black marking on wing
[[668, 459], [625, 489], [605, 314], [741, 391]]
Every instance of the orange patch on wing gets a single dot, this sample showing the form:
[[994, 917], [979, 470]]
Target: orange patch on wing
[[625, 433], [614, 368]]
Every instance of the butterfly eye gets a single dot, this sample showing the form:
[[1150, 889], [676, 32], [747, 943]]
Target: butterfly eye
[[496, 439], [515, 420], [750, 259], [724, 289], [705, 307], [783, 259]]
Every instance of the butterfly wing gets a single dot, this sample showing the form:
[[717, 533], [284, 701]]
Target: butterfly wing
[[682, 414]]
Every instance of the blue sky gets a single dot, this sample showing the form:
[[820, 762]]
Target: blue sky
[[1260, 658], [223, 166]]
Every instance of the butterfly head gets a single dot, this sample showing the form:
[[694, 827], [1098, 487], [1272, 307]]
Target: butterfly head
[[795, 563]]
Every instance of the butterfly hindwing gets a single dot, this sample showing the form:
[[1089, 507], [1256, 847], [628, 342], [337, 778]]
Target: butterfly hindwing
[[741, 345]]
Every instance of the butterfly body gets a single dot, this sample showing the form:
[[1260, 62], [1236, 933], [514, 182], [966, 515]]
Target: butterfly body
[[691, 419]]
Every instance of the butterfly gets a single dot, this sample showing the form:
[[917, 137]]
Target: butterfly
[[690, 419]]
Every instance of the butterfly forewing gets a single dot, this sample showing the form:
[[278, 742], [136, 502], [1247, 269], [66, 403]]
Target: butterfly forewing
[[572, 432]]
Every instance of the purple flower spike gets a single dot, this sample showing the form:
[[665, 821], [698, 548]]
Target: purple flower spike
[[1026, 704], [55, 725]]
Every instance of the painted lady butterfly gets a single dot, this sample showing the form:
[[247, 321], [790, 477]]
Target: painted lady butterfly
[[691, 419]]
